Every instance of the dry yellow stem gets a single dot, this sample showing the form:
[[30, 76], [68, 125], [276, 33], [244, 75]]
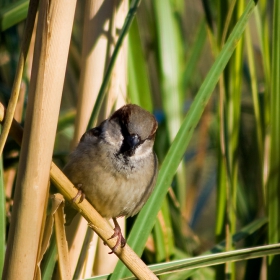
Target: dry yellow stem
[[115, 98], [57, 203], [97, 13], [96, 38], [62, 247], [102, 20], [53, 35]]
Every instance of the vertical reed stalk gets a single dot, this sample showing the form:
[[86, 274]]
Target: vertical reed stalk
[[273, 186], [2, 217], [102, 20], [257, 110], [51, 48], [222, 192], [94, 59], [230, 87], [97, 15], [115, 98], [170, 60], [233, 97], [265, 33]]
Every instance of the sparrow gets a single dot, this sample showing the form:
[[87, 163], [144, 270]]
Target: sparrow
[[114, 165]]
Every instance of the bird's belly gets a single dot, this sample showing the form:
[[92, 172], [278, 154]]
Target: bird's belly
[[114, 196]]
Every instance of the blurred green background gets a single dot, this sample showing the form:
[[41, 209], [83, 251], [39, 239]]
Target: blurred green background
[[226, 187]]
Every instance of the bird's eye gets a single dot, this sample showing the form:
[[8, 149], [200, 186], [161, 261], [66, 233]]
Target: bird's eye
[[133, 140], [130, 143]]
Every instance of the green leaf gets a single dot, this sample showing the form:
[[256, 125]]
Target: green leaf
[[210, 260], [49, 260], [170, 56], [129, 18], [163, 235], [273, 186], [219, 258], [194, 55], [138, 77], [13, 14], [2, 218]]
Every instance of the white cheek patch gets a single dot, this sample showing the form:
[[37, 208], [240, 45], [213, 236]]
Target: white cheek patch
[[113, 140], [143, 150], [112, 137]]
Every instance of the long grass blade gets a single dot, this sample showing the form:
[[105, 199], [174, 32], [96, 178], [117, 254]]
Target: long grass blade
[[130, 16], [219, 258], [195, 53], [13, 14], [138, 82], [50, 260], [273, 187], [232, 101], [169, 60], [2, 217], [263, 27], [241, 235], [256, 104]]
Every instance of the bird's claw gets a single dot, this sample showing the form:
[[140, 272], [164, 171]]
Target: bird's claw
[[117, 233], [120, 240], [80, 194]]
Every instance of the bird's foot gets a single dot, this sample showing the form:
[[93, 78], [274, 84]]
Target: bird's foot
[[117, 233], [80, 194]]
